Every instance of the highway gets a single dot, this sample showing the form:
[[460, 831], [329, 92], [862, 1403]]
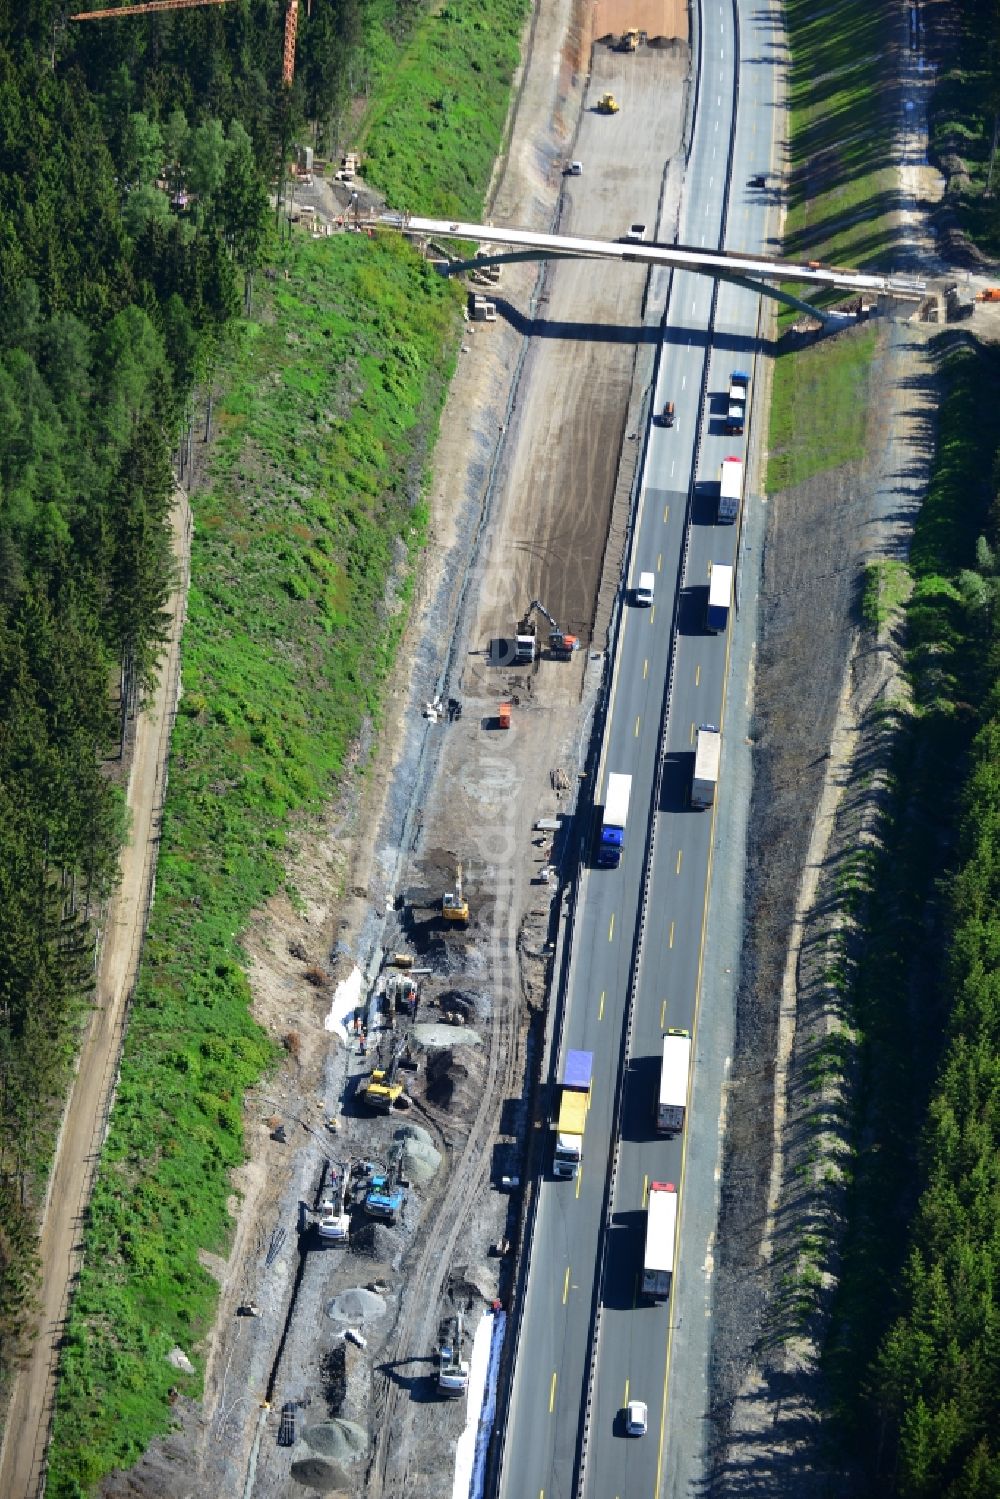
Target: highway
[[564, 1433], [635, 1341]]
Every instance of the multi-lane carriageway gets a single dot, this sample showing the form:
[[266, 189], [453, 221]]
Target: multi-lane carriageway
[[586, 1346], [637, 942]]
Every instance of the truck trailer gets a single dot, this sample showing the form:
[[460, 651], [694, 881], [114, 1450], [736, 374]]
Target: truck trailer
[[736, 408], [574, 1101], [661, 1230], [730, 490], [720, 593], [613, 822], [707, 753], [675, 1067]]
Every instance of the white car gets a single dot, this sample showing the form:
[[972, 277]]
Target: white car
[[636, 1418]]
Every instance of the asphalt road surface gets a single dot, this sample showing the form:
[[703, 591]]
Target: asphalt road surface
[[582, 1266]]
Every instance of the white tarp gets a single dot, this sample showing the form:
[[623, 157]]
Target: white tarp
[[345, 1002], [465, 1450]]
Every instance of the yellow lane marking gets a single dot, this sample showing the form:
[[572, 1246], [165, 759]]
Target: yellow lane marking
[[659, 562], [652, 614], [552, 1393], [697, 676], [671, 934], [645, 669], [694, 1037], [680, 855], [626, 1392], [692, 733], [663, 1013], [566, 1286], [637, 726], [579, 1179], [645, 1190], [666, 513], [611, 928], [600, 1008]]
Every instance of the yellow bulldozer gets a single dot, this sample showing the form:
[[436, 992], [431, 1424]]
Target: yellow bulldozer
[[607, 104], [630, 40]]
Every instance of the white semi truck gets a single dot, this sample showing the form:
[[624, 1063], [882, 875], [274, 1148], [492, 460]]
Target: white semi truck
[[675, 1067], [661, 1230], [707, 754]]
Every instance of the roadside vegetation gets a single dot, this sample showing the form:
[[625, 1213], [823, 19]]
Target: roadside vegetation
[[305, 539], [910, 1354], [911, 1349], [965, 138], [841, 198]]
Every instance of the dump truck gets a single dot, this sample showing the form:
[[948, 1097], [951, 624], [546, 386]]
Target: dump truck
[[675, 1065], [720, 593], [574, 1101], [613, 822], [730, 490], [707, 753], [736, 409], [661, 1230]]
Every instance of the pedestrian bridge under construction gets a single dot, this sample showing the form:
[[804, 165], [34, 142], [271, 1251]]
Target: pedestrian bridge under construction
[[759, 272]]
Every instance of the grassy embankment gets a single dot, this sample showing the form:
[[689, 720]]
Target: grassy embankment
[[841, 198], [906, 984], [314, 502]]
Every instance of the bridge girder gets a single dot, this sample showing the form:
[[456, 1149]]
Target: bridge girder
[[765, 288]]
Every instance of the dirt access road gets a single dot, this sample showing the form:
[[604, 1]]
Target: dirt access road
[[29, 1415]]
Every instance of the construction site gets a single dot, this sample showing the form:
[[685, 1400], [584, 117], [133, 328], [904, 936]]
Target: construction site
[[379, 1218]]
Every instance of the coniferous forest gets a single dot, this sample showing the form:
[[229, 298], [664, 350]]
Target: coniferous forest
[[134, 171]]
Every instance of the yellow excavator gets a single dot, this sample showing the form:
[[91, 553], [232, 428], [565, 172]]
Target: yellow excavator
[[383, 1089], [454, 906], [607, 104]]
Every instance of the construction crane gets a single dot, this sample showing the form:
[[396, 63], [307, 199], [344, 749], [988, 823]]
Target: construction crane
[[453, 1369], [291, 29], [561, 644], [385, 1196], [382, 1090], [454, 906], [143, 10]]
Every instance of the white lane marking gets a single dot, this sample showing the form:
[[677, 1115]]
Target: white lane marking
[[684, 382]]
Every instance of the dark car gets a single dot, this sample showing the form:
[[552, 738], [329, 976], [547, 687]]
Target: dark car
[[758, 181]]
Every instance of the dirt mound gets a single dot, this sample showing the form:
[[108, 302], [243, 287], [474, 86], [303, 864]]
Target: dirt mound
[[378, 1241], [324, 1478], [444, 1075], [356, 1305]]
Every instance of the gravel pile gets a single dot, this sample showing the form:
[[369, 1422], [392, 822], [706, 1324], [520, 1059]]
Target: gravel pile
[[356, 1305], [341, 1440], [420, 1159]]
